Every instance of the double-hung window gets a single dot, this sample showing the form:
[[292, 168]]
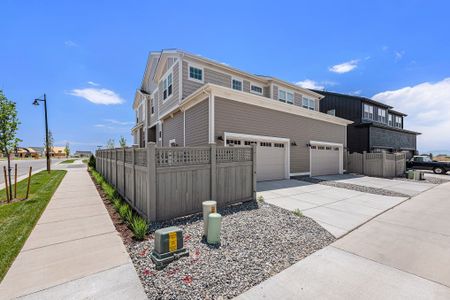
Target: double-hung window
[[308, 103], [390, 120], [285, 96], [167, 86], [236, 84], [195, 73], [381, 115], [368, 112], [398, 121]]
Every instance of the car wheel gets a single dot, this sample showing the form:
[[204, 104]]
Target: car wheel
[[438, 171]]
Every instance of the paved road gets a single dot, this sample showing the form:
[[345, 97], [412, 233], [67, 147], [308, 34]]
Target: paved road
[[24, 165]]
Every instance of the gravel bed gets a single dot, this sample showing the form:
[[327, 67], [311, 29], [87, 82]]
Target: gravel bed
[[349, 186], [428, 179], [257, 241]]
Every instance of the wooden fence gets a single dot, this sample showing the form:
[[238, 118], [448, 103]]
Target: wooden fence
[[164, 183], [377, 164]]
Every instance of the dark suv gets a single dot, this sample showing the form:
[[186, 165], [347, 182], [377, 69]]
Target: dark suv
[[425, 163]]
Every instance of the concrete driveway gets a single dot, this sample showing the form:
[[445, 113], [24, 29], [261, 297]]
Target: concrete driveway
[[337, 210], [399, 186]]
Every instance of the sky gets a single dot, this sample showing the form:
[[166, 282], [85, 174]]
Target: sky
[[89, 56]]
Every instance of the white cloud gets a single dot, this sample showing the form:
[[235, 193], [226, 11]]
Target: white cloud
[[344, 67], [399, 54], [98, 96], [357, 92], [310, 84], [428, 107], [116, 122], [93, 83], [70, 43]]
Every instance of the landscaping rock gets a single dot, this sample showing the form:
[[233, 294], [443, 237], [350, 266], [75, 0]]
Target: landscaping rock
[[257, 242]]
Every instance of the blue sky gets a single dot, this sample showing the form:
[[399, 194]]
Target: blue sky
[[397, 51]]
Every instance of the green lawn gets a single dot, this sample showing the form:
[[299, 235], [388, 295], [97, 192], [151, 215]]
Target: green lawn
[[18, 219], [68, 161]]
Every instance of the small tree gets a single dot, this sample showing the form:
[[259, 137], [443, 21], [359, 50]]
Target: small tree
[[9, 124], [122, 142], [110, 144], [50, 143], [67, 150]]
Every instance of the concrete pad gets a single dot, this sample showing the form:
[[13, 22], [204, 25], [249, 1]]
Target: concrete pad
[[50, 233], [46, 267], [334, 230], [75, 202], [290, 203], [354, 207], [337, 193], [337, 218], [421, 253], [376, 201], [335, 274], [117, 283], [312, 198]]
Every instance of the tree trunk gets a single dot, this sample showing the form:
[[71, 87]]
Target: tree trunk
[[9, 174]]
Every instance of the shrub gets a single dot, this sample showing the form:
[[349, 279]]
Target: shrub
[[139, 227], [297, 212], [260, 199], [109, 190], [124, 211], [91, 162], [117, 203]]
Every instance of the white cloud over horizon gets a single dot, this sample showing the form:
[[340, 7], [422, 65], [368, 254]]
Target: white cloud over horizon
[[98, 96], [93, 83], [70, 43], [428, 107], [345, 67], [310, 84]]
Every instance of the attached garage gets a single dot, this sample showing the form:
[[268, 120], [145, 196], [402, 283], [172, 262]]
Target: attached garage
[[326, 158], [272, 154]]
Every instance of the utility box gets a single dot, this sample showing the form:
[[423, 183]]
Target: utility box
[[168, 246]]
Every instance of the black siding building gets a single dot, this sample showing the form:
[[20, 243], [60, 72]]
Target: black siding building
[[376, 126]]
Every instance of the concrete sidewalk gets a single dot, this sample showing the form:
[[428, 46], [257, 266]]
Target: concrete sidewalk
[[74, 251], [402, 254]]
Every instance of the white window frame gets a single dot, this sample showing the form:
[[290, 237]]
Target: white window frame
[[331, 112], [369, 111], [398, 124], [197, 67], [381, 118], [239, 80], [390, 120], [255, 92], [164, 80], [286, 92], [309, 101]]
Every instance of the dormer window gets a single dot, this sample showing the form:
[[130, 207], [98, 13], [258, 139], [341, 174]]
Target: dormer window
[[236, 84], [390, 123], [381, 115], [308, 103], [167, 86], [285, 96], [398, 122], [256, 89], [368, 112]]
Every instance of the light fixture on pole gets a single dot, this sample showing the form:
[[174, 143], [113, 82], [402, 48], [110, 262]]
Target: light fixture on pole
[[47, 149]]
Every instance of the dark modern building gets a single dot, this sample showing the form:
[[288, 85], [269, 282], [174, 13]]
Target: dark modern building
[[376, 126]]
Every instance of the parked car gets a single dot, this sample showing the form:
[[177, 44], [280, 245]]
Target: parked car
[[420, 162]]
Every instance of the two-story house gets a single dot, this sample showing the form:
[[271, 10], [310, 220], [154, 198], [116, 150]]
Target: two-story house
[[376, 126], [188, 100]]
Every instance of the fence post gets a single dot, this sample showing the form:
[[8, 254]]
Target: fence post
[[124, 173], [364, 163], [213, 181], [254, 172], [133, 176], [384, 163], [151, 183], [116, 168]]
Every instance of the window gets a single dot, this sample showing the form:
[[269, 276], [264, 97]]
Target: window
[[195, 73], [265, 144], [285, 96], [398, 121], [236, 84], [308, 103], [167, 86], [233, 142], [249, 143], [278, 145], [381, 115], [331, 112], [368, 112], [390, 120], [153, 105], [256, 89]]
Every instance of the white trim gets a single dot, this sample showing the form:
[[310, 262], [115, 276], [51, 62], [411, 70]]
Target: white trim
[[286, 92], [300, 174], [237, 79], [254, 137], [211, 119], [180, 80], [184, 128], [189, 65], [257, 85], [329, 144], [166, 75]]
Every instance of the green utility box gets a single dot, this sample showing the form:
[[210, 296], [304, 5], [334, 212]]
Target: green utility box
[[168, 246]]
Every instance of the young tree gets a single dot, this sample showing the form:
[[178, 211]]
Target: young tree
[[67, 150], [50, 142], [122, 142], [110, 144], [9, 124]]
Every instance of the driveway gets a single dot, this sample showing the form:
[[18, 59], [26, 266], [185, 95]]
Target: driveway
[[399, 186], [401, 254], [337, 210]]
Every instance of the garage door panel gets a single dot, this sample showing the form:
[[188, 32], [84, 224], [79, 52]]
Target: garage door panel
[[270, 163], [324, 160]]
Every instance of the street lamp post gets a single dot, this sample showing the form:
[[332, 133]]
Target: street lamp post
[[47, 150]]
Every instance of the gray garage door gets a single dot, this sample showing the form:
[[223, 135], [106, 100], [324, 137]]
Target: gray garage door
[[324, 160]]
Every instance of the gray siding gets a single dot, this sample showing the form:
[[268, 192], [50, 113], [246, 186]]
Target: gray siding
[[298, 99], [217, 78], [197, 120], [173, 129], [231, 116], [266, 91], [246, 86], [275, 92], [391, 139], [188, 86], [172, 101]]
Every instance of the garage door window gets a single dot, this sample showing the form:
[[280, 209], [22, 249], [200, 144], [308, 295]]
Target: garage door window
[[233, 142], [249, 143], [278, 145], [265, 144]]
